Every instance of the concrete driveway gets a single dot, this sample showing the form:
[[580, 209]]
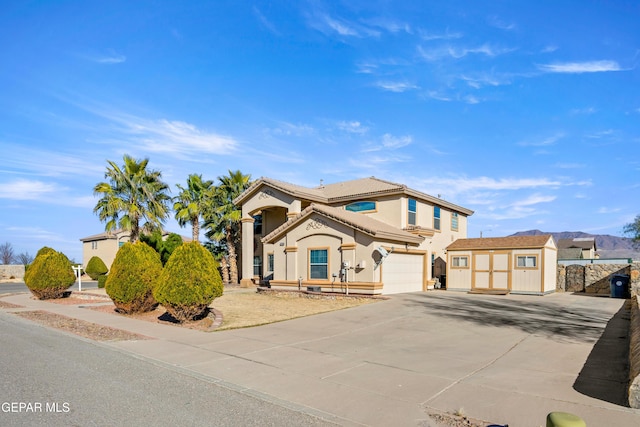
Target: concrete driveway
[[503, 359]]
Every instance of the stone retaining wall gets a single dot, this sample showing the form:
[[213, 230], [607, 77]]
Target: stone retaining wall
[[596, 278], [634, 355], [11, 272]]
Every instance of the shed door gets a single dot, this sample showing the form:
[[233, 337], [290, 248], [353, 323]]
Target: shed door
[[491, 270], [403, 273]]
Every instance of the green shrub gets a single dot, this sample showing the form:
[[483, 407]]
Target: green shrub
[[102, 280], [49, 275], [189, 283], [44, 250], [95, 268], [133, 275]]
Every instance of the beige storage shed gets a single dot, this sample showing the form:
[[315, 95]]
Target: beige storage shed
[[515, 264]]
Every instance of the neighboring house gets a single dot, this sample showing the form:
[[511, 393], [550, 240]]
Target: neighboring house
[[105, 245], [366, 236], [516, 264], [577, 248]]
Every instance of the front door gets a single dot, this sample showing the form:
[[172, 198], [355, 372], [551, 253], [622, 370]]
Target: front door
[[491, 270]]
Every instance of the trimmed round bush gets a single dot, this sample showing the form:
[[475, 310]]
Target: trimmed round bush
[[133, 275], [189, 283], [102, 280], [49, 275], [96, 267]]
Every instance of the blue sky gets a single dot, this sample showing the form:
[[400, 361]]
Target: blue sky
[[527, 112]]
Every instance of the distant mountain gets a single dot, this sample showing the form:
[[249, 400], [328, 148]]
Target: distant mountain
[[608, 246]]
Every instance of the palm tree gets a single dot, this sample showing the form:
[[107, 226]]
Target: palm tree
[[133, 194], [190, 204], [219, 252], [223, 217]]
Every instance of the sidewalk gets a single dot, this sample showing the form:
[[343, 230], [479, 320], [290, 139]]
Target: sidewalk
[[505, 359]]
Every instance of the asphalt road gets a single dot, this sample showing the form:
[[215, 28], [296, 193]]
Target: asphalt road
[[52, 379], [10, 288]]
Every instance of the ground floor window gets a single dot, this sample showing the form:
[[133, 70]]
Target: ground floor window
[[527, 261], [318, 264], [257, 265], [270, 262], [460, 261]]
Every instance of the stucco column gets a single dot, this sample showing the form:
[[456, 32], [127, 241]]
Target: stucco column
[[247, 252], [294, 209]]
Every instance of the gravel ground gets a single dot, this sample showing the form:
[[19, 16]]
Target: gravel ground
[[79, 327]]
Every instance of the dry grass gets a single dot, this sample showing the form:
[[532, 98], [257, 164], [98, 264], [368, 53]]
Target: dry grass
[[242, 309]]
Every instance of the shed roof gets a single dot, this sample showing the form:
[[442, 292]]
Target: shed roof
[[360, 222], [510, 242]]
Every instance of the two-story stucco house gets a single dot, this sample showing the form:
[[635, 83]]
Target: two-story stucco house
[[365, 236]]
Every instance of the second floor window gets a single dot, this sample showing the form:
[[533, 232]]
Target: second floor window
[[436, 217], [412, 208], [454, 221], [257, 225]]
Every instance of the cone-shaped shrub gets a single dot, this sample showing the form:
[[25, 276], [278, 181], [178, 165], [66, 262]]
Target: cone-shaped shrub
[[134, 273], [50, 275], [44, 250], [190, 281], [96, 267]]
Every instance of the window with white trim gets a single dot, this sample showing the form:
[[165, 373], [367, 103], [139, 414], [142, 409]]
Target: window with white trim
[[436, 217], [454, 221], [412, 208]]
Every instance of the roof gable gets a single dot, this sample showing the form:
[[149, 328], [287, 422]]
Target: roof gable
[[360, 222]]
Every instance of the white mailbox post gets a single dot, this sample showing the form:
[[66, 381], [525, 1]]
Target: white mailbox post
[[78, 271]]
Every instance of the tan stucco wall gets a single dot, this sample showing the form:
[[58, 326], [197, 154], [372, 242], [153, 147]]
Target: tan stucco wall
[[106, 249]]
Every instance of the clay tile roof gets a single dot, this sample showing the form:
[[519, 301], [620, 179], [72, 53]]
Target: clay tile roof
[[511, 242], [358, 221], [347, 190]]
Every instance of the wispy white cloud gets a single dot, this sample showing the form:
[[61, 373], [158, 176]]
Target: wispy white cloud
[[458, 52], [264, 21], [352, 127], [453, 186], [549, 49], [608, 210], [601, 134], [581, 67], [396, 86], [388, 143], [331, 26], [36, 234], [545, 142], [496, 22], [482, 80], [429, 36], [25, 189], [583, 111], [390, 25], [292, 129], [570, 165], [110, 57]]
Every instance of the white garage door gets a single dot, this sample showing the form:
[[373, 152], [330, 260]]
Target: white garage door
[[402, 273]]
